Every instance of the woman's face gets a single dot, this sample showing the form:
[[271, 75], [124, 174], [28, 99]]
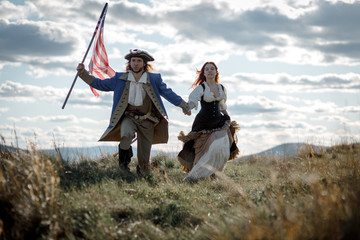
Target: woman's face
[[209, 71]]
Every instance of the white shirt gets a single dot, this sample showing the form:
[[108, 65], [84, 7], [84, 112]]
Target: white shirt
[[198, 92], [136, 91]]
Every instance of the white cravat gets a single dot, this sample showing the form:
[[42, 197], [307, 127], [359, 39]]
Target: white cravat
[[136, 91]]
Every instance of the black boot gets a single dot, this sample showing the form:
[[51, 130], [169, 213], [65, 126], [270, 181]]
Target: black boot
[[125, 158]]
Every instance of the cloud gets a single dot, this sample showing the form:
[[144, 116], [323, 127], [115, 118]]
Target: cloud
[[9, 10], [254, 105], [56, 119], [11, 90], [18, 92], [281, 124], [180, 124], [332, 18], [2, 110], [286, 83], [41, 35], [289, 108], [300, 32], [270, 34], [37, 39], [351, 109], [73, 135], [132, 14], [340, 121], [205, 22]]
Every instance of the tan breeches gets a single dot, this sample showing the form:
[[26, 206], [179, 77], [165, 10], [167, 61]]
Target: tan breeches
[[145, 133]]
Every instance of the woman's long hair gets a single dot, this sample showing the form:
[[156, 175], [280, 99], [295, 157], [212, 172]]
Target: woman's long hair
[[147, 68], [201, 77]]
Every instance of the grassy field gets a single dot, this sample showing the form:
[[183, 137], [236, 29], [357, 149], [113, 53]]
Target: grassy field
[[314, 195]]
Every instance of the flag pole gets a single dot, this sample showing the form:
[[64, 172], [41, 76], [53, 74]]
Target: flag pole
[[87, 51]]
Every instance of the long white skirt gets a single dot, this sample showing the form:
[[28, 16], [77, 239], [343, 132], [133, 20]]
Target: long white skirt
[[213, 160]]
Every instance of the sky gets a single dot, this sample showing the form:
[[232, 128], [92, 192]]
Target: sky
[[291, 68]]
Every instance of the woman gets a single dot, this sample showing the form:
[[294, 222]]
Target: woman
[[212, 140]]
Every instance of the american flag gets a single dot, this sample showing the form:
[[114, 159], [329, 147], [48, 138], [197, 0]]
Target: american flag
[[99, 64]]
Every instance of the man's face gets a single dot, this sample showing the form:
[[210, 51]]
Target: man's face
[[137, 64]]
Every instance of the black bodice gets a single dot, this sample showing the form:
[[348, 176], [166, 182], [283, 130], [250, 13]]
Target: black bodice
[[210, 109], [209, 117]]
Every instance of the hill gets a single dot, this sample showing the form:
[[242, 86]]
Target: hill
[[308, 196], [282, 150], [75, 153]]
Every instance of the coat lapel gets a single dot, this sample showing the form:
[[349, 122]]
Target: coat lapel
[[151, 93], [112, 132]]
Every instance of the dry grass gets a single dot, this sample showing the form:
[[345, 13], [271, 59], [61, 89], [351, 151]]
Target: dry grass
[[315, 195], [29, 192]]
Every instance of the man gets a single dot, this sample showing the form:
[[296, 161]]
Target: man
[[137, 108]]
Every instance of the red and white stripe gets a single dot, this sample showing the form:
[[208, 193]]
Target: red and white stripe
[[99, 64]]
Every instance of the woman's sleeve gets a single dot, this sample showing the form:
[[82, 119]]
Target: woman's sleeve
[[222, 104], [195, 97]]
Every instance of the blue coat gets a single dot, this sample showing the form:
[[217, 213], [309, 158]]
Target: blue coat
[[155, 87]]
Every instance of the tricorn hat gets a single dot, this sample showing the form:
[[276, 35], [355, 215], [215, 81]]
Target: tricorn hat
[[139, 53]]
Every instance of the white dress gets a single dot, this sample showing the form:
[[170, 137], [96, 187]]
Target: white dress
[[210, 139]]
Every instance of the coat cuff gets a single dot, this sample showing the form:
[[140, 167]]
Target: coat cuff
[[86, 77]]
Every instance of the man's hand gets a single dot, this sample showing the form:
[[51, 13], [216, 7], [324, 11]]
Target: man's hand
[[185, 107], [80, 68]]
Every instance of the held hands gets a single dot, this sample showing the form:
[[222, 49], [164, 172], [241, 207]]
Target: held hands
[[185, 107], [80, 68]]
